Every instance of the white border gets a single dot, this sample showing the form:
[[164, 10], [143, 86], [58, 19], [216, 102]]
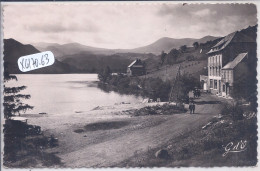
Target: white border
[[256, 2]]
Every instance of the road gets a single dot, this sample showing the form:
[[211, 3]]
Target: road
[[104, 148]]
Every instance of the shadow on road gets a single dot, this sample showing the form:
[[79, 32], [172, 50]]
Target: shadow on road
[[207, 102]]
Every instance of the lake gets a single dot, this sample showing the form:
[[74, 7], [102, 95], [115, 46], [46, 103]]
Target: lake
[[61, 94]]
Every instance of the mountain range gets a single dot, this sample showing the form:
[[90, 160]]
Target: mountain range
[[78, 58], [163, 44]]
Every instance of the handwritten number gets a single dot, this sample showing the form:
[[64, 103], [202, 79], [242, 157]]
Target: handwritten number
[[46, 56], [22, 64], [42, 61]]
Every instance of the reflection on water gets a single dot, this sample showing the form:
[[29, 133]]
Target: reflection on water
[[67, 93]]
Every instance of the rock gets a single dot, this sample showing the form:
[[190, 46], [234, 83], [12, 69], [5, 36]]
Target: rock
[[207, 125], [162, 154], [169, 147], [220, 116], [85, 136]]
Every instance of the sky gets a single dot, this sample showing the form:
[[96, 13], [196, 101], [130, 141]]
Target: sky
[[116, 25]]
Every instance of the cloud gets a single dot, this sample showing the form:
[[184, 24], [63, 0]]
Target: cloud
[[217, 19], [116, 25], [204, 13], [62, 27]]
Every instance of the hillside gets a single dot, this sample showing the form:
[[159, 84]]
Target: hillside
[[192, 60], [94, 63], [14, 49]]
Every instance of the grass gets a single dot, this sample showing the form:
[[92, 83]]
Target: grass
[[26, 147], [205, 147]]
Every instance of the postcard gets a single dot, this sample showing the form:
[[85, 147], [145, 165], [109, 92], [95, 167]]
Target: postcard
[[129, 85]]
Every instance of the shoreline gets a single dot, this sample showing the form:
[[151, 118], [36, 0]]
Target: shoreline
[[111, 145]]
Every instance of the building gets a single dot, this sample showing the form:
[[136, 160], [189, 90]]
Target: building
[[234, 72], [224, 59], [136, 68]]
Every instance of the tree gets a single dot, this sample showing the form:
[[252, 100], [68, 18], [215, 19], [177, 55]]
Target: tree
[[163, 57], [172, 56], [183, 48], [196, 45], [12, 99], [181, 87], [105, 74], [190, 58]]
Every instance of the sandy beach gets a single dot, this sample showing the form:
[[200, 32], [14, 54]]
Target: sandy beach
[[103, 145]]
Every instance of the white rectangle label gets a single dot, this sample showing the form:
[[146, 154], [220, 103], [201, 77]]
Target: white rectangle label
[[35, 61]]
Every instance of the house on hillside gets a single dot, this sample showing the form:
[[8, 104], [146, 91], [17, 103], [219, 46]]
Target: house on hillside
[[234, 72], [224, 59], [136, 68]]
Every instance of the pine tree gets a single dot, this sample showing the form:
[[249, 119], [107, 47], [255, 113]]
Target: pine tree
[[12, 98]]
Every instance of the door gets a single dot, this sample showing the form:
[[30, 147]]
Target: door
[[205, 86]]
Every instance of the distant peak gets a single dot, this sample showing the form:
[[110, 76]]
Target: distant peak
[[11, 40]]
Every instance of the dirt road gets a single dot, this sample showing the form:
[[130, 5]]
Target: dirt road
[[107, 147]]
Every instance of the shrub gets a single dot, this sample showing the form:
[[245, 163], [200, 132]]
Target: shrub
[[234, 111]]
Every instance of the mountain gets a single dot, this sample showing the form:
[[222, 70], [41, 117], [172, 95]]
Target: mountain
[[72, 48], [163, 44], [14, 49], [42, 45], [166, 44]]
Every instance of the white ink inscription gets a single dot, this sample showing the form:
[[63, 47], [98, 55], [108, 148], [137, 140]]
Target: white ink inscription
[[35, 61], [235, 147]]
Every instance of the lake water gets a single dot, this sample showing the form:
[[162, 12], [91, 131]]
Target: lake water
[[67, 93]]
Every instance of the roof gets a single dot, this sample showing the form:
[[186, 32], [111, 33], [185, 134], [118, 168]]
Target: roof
[[237, 60], [136, 63], [222, 43], [132, 63]]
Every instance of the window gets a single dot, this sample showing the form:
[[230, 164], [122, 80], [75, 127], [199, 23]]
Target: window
[[215, 84], [210, 83]]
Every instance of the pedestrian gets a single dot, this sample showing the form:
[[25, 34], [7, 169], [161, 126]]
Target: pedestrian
[[190, 107], [193, 107]]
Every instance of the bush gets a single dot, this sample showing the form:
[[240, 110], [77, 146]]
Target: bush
[[234, 111], [166, 109]]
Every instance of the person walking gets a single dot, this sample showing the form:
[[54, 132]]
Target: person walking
[[190, 107], [193, 107]]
